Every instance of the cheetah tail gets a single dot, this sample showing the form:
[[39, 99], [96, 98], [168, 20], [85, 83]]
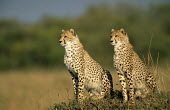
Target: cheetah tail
[[111, 83]]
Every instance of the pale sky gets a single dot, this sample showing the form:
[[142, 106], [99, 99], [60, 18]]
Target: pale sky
[[31, 10]]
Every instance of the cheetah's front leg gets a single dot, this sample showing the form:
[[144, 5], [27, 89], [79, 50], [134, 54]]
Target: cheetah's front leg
[[75, 84], [81, 96], [75, 87], [123, 84], [131, 88]]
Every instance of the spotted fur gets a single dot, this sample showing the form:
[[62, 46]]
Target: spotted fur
[[86, 72], [131, 69]]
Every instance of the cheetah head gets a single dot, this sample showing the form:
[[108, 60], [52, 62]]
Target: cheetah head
[[68, 37], [118, 36]]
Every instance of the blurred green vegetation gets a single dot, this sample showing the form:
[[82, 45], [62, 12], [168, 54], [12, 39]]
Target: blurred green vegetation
[[36, 44]]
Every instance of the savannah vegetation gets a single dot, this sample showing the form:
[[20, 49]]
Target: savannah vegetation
[[32, 72]]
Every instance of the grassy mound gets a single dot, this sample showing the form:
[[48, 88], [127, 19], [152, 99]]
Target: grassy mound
[[156, 101]]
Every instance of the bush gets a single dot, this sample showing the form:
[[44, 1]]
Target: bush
[[36, 44]]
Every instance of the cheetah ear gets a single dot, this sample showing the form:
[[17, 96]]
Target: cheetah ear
[[62, 30], [123, 31], [112, 30], [72, 31]]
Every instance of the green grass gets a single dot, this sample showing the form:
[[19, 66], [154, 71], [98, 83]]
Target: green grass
[[156, 101]]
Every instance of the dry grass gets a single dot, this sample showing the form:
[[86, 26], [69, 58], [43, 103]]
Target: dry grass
[[37, 89], [34, 90]]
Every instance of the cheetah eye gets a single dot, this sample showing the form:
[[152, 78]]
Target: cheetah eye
[[110, 36], [116, 35], [65, 36]]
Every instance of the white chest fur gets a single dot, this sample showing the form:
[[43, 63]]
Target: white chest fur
[[68, 57], [118, 50], [69, 53], [119, 54], [71, 57]]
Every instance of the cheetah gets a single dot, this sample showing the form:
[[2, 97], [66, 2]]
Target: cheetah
[[85, 72], [130, 68]]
